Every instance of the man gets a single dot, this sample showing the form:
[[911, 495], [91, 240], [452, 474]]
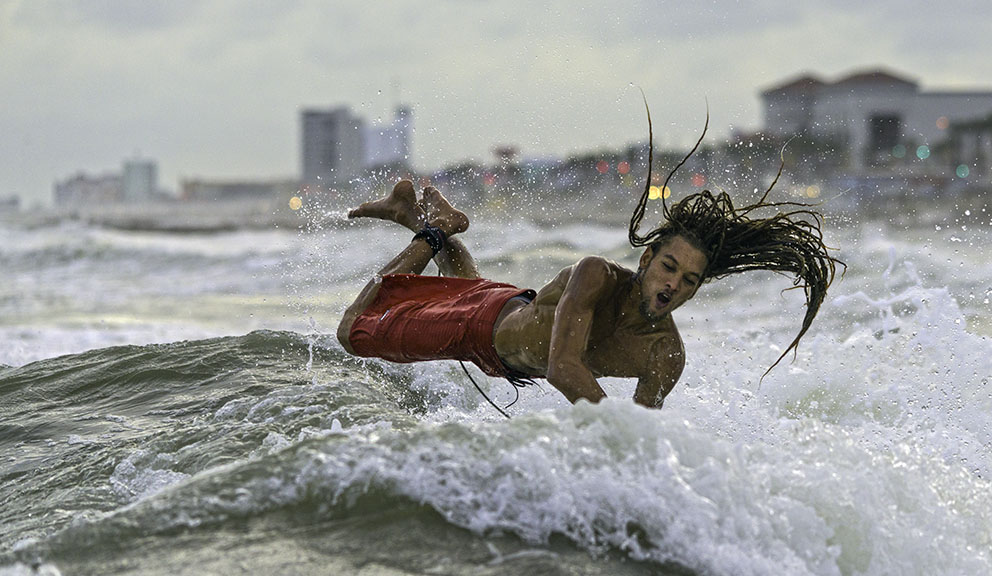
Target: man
[[596, 318]]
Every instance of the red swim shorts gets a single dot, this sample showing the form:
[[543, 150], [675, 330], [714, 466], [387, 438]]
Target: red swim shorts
[[417, 318]]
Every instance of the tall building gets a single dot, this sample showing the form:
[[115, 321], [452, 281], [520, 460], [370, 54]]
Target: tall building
[[389, 145], [874, 114], [338, 147], [333, 147], [139, 180]]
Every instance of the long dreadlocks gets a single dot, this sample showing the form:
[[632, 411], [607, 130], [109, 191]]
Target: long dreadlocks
[[790, 242]]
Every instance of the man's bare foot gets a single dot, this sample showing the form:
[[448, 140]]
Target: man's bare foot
[[442, 214], [399, 206]]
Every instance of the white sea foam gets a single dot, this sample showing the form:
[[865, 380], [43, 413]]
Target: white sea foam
[[871, 453], [19, 569], [820, 499], [143, 474]]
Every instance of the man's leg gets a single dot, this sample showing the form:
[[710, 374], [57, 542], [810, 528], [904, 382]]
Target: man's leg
[[401, 207]]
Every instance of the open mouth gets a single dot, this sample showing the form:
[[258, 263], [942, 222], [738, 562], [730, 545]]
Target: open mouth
[[664, 298]]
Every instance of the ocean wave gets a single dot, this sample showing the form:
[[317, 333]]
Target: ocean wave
[[867, 455], [607, 477]]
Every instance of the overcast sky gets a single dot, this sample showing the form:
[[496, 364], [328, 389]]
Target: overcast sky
[[213, 88]]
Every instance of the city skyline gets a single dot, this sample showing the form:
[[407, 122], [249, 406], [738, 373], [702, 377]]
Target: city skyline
[[213, 89]]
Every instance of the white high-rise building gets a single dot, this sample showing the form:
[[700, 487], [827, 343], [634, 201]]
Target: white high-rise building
[[337, 147], [333, 146], [389, 145]]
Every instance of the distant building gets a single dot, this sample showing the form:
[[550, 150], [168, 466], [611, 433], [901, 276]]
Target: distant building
[[85, 189], [9, 203], [389, 145], [338, 147], [969, 148], [506, 154], [139, 180], [333, 146], [789, 107], [237, 190], [136, 182], [875, 115]]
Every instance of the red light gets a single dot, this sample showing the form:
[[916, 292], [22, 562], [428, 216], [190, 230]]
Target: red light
[[698, 180], [602, 167], [623, 168]]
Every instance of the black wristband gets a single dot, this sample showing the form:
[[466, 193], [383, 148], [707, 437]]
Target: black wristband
[[433, 236]]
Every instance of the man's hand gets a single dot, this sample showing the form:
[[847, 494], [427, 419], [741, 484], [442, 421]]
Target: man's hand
[[668, 361]]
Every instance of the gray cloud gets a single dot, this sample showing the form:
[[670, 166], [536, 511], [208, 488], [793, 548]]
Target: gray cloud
[[213, 88], [114, 16]]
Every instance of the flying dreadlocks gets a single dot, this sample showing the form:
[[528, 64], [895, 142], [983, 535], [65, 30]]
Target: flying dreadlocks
[[790, 242]]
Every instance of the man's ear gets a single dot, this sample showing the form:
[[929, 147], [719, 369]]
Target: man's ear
[[646, 257]]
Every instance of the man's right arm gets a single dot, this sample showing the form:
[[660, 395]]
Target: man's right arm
[[591, 279]]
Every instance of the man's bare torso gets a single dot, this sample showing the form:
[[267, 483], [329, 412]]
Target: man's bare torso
[[621, 342]]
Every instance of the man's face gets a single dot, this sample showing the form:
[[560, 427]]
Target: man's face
[[670, 276]]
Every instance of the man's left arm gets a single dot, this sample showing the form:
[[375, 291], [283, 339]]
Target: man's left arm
[[663, 372], [590, 280]]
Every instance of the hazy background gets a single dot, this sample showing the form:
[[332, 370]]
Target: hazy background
[[213, 88], [175, 399]]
